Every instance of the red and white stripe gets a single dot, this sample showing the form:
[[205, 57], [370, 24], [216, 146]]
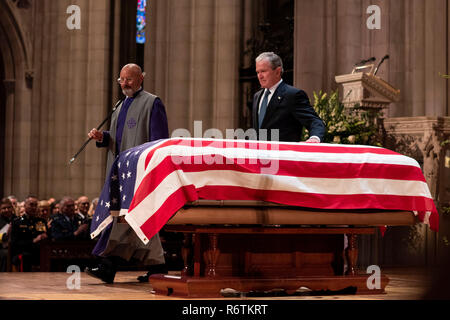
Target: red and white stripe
[[323, 176]]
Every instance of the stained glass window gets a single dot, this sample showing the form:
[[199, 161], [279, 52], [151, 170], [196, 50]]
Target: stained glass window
[[140, 21]]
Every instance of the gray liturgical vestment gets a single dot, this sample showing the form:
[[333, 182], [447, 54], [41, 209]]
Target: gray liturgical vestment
[[145, 121]]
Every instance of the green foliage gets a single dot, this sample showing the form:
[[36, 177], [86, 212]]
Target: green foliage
[[345, 125], [445, 210], [445, 241]]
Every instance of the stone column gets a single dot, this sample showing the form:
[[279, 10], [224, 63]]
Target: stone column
[[71, 96], [311, 48], [226, 56], [167, 58], [448, 61], [250, 18], [191, 59], [19, 143]]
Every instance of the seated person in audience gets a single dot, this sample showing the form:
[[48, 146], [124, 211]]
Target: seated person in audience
[[82, 214], [83, 208], [6, 215], [21, 208], [44, 209], [15, 204], [64, 226], [92, 208], [26, 233], [54, 208]]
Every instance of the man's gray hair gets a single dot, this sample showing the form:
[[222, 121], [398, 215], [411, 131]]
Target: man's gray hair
[[274, 60], [64, 200]]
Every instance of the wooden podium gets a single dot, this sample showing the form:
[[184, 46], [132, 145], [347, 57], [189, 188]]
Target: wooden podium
[[366, 91]]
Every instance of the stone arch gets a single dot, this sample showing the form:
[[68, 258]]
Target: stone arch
[[16, 100]]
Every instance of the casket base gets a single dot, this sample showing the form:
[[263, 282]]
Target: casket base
[[264, 250], [204, 287]]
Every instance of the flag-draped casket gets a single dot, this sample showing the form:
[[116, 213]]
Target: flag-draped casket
[[148, 184], [151, 183]]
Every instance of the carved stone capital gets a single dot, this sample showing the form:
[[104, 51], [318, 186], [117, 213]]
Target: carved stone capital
[[422, 139]]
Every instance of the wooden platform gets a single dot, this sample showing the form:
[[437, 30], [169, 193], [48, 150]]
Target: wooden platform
[[404, 284], [201, 287], [256, 246]]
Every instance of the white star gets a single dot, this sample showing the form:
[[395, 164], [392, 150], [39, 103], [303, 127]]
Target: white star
[[128, 153], [136, 153], [128, 163], [118, 164], [101, 203], [120, 188], [129, 174], [98, 218], [107, 205], [123, 176], [124, 197]]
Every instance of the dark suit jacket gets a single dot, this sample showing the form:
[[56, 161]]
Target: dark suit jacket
[[289, 111]]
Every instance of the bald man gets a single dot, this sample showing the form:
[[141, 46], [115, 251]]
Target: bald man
[[140, 118]]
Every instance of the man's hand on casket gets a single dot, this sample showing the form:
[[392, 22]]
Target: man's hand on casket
[[313, 139]]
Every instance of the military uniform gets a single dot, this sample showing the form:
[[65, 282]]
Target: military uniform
[[79, 219], [24, 252], [4, 236], [63, 227], [4, 227]]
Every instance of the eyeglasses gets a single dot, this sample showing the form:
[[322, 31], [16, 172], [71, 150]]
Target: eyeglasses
[[122, 80]]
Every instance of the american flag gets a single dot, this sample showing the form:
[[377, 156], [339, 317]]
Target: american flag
[[150, 183], [118, 189]]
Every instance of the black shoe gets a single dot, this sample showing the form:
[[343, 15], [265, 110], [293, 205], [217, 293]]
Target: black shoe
[[157, 268], [101, 272]]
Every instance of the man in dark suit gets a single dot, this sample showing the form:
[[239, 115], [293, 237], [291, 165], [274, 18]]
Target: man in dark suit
[[65, 225], [280, 106]]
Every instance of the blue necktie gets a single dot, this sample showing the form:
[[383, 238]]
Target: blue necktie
[[263, 109]]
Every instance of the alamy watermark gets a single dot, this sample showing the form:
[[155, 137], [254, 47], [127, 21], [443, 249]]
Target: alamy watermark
[[74, 20], [239, 147], [374, 20], [73, 282], [374, 280]]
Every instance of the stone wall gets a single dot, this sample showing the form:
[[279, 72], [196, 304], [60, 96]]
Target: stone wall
[[192, 61], [59, 87], [331, 36]]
